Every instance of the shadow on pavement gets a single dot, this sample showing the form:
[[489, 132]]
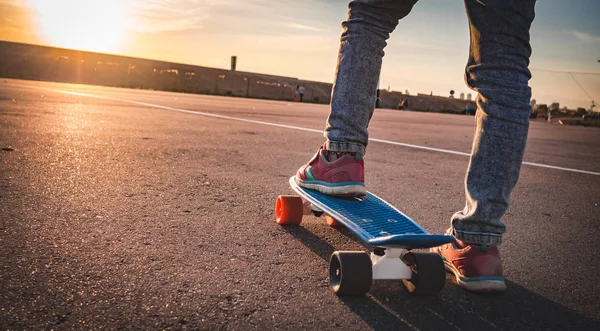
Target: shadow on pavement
[[389, 306]]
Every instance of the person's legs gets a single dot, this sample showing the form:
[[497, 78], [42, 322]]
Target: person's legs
[[498, 70], [369, 25], [338, 168]]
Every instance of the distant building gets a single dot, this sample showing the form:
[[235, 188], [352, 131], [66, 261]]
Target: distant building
[[42, 63], [469, 96], [462, 96], [554, 106]]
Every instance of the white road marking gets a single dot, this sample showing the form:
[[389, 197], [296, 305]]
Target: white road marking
[[439, 150]]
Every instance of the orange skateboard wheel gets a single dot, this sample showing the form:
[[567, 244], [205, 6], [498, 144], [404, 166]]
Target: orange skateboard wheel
[[289, 209], [332, 222]]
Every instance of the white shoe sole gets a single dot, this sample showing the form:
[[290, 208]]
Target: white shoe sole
[[344, 191], [484, 285]]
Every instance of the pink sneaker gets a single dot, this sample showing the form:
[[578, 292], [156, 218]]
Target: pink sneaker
[[476, 268], [345, 176]]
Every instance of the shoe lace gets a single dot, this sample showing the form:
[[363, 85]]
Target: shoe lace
[[358, 156], [484, 247]]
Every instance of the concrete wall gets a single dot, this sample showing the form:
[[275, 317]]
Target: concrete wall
[[424, 102], [32, 62]]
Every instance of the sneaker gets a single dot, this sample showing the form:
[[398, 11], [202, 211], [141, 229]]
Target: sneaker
[[476, 268], [343, 176]]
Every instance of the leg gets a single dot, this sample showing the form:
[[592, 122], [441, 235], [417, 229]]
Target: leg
[[357, 74], [339, 168], [498, 70]]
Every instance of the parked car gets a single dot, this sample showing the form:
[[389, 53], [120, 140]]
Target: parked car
[[592, 116]]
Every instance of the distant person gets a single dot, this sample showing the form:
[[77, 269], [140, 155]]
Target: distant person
[[468, 109], [297, 93], [403, 104], [534, 114], [497, 69], [301, 92]]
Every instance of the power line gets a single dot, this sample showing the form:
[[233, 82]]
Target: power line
[[581, 87], [571, 74], [566, 72]]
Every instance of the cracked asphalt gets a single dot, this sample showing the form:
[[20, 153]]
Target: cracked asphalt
[[118, 214]]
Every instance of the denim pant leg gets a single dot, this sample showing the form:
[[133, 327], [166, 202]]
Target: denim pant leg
[[357, 74], [498, 70]]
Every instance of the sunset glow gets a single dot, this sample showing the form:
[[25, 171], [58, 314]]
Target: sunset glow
[[99, 26], [426, 53]]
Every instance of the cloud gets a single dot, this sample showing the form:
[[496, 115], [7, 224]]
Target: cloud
[[15, 22], [304, 27], [182, 15], [168, 15], [585, 37]]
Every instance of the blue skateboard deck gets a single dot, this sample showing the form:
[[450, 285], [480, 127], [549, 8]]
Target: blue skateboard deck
[[373, 220]]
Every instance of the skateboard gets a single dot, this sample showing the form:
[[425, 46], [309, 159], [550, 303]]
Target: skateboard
[[391, 234]]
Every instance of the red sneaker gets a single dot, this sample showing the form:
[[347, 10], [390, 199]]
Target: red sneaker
[[476, 268], [345, 176]]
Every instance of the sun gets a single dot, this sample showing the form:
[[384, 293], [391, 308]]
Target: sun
[[94, 25]]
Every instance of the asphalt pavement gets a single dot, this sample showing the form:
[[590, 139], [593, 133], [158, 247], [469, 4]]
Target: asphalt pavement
[[152, 210]]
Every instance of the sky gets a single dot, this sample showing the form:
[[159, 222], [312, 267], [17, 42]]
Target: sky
[[426, 53]]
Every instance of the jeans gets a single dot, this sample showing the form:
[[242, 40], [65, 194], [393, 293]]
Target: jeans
[[497, 69]]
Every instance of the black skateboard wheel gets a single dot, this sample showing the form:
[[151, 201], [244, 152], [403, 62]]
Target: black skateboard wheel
[[428, 273], [350, 273]]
